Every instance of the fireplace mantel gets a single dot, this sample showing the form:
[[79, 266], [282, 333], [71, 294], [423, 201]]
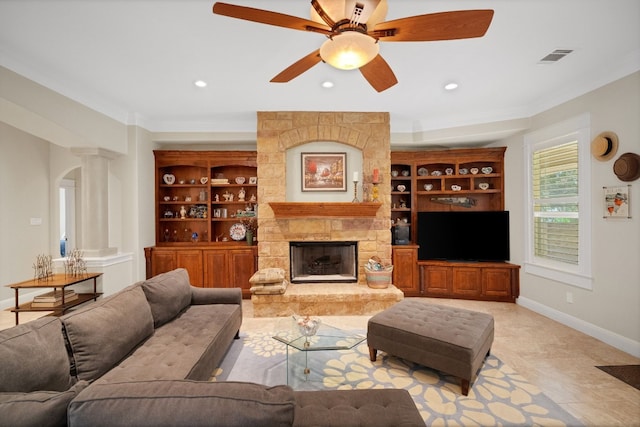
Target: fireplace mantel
[[292, 210]]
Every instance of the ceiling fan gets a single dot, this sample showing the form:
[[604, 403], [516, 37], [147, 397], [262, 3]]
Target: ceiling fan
[[353, 29]]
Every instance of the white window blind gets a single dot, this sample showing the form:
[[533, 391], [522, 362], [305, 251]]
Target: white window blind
[[558, 202], [555, 203]]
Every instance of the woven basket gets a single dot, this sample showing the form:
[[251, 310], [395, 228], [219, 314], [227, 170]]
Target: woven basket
[[379, 279]]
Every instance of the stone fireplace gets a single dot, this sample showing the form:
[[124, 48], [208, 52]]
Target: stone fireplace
[[323, 262], [280, 131]]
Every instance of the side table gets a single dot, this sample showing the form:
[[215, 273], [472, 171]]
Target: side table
[[57, 281]]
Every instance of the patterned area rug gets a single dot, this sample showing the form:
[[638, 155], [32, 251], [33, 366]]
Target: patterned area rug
[[629, 374], [498, 397]]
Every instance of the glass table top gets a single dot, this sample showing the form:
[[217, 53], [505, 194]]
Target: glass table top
[[327, 337]]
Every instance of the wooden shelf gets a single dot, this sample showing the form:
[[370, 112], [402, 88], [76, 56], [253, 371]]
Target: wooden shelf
[[324, 210], [57, 281], [58, 309]]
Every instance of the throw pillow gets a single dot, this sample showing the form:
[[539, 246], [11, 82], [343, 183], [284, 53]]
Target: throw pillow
[[39, 408], [102, 334], [168, 294], [34, 357], [267, 275]]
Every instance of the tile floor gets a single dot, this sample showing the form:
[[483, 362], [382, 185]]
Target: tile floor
[[559, 360]]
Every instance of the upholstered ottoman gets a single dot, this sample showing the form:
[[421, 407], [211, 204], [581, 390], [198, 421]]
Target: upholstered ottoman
[[452, 340]]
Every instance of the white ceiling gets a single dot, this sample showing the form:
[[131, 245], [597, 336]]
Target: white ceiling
[[136, 61]]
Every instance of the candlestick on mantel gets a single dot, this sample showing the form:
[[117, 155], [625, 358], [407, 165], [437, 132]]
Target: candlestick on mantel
[[355, 188]]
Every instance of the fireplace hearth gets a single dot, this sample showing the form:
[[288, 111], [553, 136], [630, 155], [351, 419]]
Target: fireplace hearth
[[324, 262]]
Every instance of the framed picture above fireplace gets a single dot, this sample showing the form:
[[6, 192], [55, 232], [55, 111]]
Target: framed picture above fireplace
[[324, 171]]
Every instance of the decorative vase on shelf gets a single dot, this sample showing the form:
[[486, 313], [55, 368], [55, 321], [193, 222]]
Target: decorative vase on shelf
[[249, 236]]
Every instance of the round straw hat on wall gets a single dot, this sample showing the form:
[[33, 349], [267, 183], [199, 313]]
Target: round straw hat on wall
[[604, 146], [627, 167]]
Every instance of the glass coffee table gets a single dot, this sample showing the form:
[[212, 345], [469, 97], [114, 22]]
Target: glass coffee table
[[302, 367]]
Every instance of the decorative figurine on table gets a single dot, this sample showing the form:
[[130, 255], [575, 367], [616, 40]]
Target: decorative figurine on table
[[241, 194], [183, 212]]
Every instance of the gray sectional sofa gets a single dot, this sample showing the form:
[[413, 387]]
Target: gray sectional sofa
[[144, 357]]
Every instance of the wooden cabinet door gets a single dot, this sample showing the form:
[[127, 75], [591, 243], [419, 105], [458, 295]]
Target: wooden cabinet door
[[161, 262], [191, 260], [405, 266], [216, 272], [242, 265], [436, 280], [467, 281], [496, 282]]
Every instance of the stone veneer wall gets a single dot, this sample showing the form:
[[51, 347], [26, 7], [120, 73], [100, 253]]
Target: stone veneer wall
[[279, 131]]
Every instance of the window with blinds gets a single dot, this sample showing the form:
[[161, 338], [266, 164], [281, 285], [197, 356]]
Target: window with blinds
[[557, 238], [555, 203]]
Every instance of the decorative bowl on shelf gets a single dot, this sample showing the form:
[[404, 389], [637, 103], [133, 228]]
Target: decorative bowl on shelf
[[436, 173], [423, 171], [240, 180], [428, 187], [487, 170], [394, 173], [405, 172], [483, 185], [463, 171], [401, 188], [474, 170], [455, 187], [169, 178]]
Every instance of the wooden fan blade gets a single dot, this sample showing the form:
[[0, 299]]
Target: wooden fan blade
[[297, 68], [379, 74], [453, 25], [322, 14], [268, 17]]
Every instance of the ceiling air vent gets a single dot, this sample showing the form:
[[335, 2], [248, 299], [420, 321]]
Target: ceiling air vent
[[555, 56]]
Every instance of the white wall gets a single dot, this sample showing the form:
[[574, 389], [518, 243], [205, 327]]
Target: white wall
[[24, 194], [610, 311]]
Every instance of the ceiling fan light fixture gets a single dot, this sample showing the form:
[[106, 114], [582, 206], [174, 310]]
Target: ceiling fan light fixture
[[349, 50]]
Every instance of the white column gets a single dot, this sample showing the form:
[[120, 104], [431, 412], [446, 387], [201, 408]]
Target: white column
[[94, 201]]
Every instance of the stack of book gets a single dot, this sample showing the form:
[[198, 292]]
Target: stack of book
[[54, 298]]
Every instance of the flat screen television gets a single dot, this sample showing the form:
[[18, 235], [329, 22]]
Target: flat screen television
[[463, 236]]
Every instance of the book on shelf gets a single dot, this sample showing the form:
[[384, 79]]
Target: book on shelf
[[53, 298]]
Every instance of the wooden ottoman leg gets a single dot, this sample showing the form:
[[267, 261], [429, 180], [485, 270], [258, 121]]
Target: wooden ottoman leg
[[372, 354], [464, 385]]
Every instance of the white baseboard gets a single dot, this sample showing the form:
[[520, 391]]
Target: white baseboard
[[618, 341]]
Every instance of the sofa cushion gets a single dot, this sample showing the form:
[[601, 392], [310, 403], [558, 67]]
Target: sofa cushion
[[104, 332], [183, 403], [34, 357], [168, 294], [354, 408], [189, 347], [267, 275], [38, 408]]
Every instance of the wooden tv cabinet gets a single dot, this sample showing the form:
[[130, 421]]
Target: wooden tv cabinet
[[490, 281]]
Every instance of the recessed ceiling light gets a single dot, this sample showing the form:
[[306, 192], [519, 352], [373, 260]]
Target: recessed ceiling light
[[327, 84], [451, 86], [200, 83]]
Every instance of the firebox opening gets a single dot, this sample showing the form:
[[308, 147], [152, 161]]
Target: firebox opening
[[321, 262]]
